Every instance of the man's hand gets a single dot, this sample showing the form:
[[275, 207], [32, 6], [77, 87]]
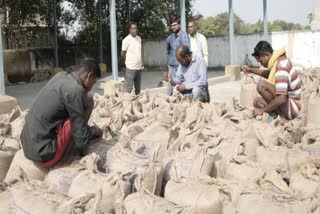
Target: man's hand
[[95, 132], [245, 69], [167, 77], [181, 88], [257, 111]]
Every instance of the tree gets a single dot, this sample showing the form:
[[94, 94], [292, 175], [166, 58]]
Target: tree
[[219, 25], [29, 11], [24, 16], [152, 17]]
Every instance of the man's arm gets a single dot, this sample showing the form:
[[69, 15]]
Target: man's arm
[[124, 49], [205, 49], [142, 54], [179, 77], [257, 71], [168, 49], [74, 102], [123, 55], [202, 71]]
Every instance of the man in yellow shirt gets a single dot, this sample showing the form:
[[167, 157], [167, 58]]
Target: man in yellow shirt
[[198, 42]]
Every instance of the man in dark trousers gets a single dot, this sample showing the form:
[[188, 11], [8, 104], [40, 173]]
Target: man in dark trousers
[[60, 112]]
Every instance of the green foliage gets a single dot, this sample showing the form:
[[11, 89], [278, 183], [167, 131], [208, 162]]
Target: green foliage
[[23, 12], [219, 25], [152, 17]]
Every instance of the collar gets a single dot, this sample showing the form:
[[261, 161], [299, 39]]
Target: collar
[[195, 36], [75, 76], [177, 34]]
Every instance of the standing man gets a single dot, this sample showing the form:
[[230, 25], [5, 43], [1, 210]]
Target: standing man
[[192, 76], [131, 55], [198, 42], [174, 40], [281, 90], [59, 113]]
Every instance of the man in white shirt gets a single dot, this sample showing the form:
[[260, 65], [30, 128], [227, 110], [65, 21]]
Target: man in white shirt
[[131, 54], [198, 42]]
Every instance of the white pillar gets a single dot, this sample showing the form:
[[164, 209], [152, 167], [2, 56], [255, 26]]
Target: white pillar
[[113, 34], [2, 82], [231, 32], [100, 33], [183, 14], [55, 39]]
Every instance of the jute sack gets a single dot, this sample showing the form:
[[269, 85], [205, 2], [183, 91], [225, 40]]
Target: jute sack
[[4, 128], [155, 140], [5, 198], [281, 158], [8, 148], [266, 202], [120, 159], [191, 163], [267, 135], [310, 143], [100, 148], [242, 169], [248, 91], [5, 161], [250, 140], [229, 147], [144, 203], [310, 82], [17, 125], [200, 196], [59, 180], [306, 181], [113, 187], [32, 170], [33, 197], [313, 117], [305, 96]]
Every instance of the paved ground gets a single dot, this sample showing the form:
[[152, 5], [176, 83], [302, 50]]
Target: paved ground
[[25, 93], [225, 91]]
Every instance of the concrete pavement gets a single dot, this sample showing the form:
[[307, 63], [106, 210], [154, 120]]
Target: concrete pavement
[[224, 91]]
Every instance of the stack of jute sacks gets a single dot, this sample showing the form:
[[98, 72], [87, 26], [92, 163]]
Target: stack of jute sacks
[[160, 154]]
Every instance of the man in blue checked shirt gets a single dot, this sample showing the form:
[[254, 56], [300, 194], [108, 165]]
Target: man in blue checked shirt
[[174, 40], [192, 77]]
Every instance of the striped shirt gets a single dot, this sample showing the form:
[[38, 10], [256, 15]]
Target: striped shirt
[[288, 83]]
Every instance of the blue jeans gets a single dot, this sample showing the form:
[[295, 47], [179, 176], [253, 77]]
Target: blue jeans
[[173, 72]]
